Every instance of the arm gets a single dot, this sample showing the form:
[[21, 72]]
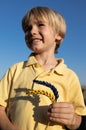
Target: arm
[[5, 123], [82, 125]]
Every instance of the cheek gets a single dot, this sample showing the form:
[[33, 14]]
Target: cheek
[[27, 41], [26, 37], [50, 37], [49, 33]]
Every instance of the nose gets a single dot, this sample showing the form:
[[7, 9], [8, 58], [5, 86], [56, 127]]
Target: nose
[[34, 30]]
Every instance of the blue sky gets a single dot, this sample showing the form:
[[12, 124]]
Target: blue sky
[[12, 45]]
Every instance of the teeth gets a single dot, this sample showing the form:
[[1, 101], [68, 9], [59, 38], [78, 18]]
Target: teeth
[[34, 39]]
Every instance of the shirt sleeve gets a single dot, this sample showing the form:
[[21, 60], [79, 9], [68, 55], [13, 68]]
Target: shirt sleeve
[[5, 86], [75, 95]]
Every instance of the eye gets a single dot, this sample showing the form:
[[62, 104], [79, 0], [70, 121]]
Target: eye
[[41, 24], [28, 28]]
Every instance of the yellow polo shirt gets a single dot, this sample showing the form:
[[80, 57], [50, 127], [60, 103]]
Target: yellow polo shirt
[[28, 112]]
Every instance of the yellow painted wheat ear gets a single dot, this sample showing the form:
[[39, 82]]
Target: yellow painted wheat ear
[[53, 97], [49, 95]]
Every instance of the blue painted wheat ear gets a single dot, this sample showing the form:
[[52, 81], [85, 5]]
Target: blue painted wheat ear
[[52, 87]]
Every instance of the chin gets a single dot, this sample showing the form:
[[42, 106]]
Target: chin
[[37, 50]]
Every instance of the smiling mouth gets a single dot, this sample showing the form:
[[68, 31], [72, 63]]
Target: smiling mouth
[[35, 40]]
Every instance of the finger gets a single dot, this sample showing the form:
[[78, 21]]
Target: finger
[[60, 120], [61, 115], [61, 104], [62, 108]]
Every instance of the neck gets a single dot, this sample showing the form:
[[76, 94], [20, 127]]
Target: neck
[[47, 61]]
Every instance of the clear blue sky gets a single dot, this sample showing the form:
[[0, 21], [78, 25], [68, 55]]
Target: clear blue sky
[[12, 45]]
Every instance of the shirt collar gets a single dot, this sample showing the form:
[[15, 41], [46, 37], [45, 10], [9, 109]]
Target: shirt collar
[[31, 60], [59, 69]]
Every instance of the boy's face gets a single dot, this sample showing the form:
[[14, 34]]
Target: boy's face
[[40, 36]]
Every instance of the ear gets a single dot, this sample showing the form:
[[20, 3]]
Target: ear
[[59, 38]]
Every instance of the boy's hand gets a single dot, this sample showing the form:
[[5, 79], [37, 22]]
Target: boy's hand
[[63, 113]]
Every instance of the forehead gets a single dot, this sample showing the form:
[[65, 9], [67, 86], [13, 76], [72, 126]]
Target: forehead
[[39, 15], [37, 19]]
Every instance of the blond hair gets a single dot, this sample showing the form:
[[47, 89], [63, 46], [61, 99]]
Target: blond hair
[[55, 19]]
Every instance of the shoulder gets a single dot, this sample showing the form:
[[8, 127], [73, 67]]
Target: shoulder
[[19, 65], [66, 71], [14, 70], [71, 74], [64, 68]]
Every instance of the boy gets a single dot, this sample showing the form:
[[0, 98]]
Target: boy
[[41, 93]]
